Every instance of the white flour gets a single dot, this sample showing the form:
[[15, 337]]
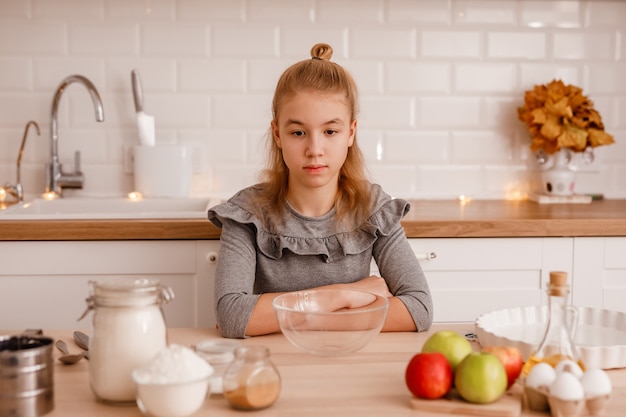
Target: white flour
[[173, 383], [174, 364]]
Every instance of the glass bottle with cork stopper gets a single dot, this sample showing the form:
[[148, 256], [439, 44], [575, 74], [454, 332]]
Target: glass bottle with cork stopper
[[557, 343]]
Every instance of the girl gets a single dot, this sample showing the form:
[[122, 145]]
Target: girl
[[314, 220]]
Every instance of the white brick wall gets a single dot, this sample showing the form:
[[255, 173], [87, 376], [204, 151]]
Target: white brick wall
[[440, 84]]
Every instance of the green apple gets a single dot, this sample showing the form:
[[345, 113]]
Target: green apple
[[480, 378], [453, 346]]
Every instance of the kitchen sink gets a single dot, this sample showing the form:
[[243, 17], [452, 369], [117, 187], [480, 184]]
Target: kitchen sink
[[109, 208]]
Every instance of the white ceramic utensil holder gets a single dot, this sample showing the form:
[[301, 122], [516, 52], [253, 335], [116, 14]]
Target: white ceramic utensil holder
[[163, 170]]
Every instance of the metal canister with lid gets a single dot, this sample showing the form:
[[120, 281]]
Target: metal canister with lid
[[128, 330], [26, 376]]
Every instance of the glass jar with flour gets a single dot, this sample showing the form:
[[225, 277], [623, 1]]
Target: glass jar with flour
[[128, 330]]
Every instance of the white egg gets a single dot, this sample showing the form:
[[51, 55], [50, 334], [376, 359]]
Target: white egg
[[567, 387], [541, 374], [596, 382], [569, 365]]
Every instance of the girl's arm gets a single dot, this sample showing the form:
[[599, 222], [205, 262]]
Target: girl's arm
[[234, 278], [263, 319], [404, 276]]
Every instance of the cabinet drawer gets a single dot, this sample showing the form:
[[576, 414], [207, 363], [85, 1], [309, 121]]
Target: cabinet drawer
[[614, 283], [472, 276], [104, 257], [54, 276], [464, 295], [464, 254], [58, 301], [614, 253]]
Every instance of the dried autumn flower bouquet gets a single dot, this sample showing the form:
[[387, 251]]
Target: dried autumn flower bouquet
[[559, 116]]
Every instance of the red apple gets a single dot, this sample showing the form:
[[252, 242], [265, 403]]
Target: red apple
[[429, 375], [511, 359]]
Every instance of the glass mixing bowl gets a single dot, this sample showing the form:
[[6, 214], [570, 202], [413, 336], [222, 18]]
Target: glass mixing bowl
[[316, 329]]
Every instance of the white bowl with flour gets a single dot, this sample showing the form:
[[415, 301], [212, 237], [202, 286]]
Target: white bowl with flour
[[173, 384]]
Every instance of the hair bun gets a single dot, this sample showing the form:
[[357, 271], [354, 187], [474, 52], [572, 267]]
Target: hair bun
[[322, 51]]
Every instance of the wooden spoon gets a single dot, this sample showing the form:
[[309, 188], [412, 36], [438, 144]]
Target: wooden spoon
[[67, 358]]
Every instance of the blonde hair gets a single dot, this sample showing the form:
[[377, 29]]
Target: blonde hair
[[317, 74]]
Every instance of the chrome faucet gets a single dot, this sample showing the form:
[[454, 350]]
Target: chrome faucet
[[17, 191], [56, 178]]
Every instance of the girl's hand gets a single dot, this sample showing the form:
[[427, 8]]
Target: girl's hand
[[373, 284]]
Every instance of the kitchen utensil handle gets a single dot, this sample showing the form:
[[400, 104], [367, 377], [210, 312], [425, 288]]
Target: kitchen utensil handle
[[62, 347], [137, 90]]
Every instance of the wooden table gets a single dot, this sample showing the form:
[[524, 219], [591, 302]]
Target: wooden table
[[367, 383]]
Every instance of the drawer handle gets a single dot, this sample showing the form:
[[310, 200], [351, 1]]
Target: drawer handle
[[426, 256], [211, 257]]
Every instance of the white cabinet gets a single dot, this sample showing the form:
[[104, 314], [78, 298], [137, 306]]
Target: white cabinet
[[600, 272], [472, 276], [44, 284]]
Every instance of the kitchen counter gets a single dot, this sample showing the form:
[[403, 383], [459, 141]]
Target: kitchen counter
[[427, 219], [367, 383]]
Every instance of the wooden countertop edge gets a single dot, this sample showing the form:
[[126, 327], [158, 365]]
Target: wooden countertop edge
[[426, 219], [200, 229], [516, 228], [153, 229]]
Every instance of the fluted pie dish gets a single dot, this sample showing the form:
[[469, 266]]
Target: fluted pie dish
[[600, 334]]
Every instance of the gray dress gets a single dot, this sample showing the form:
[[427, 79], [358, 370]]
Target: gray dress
[[306, 252]]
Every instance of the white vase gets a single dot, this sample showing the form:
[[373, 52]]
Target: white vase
[[559, 179]]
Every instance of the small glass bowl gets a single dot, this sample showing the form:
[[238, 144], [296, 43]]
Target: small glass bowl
[[219, 353]]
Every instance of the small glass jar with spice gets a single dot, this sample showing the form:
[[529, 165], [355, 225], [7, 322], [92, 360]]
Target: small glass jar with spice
[[251, 382]]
